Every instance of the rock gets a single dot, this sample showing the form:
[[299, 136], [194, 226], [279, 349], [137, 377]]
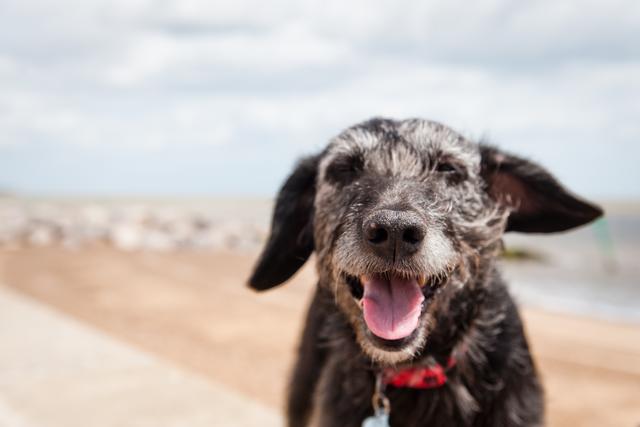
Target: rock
[[155, 240], [125, 226], [127, 237], [40, 236]]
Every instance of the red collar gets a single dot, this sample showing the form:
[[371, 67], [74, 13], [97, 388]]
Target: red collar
[[418, 377]]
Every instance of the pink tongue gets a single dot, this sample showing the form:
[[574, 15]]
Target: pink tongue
[[391, 307]]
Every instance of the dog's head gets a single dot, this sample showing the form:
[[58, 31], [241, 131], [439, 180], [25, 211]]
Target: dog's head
[[399, 210]]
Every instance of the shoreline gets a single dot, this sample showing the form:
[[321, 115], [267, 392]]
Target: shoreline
[[590, 270]]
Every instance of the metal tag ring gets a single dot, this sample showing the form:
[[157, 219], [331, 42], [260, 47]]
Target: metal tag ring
[[381, 402]]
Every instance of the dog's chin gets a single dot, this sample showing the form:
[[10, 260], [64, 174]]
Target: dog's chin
[[388, 347], [392, 352]]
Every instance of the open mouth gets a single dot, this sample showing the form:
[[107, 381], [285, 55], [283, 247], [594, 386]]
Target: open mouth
[[392, 303]]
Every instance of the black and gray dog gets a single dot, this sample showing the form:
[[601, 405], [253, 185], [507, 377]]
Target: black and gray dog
[[410, 313]]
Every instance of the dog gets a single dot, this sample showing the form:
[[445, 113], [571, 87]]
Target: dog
[[411, 323]]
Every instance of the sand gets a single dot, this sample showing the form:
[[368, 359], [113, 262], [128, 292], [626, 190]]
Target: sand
[[56, 371], [194, 310]]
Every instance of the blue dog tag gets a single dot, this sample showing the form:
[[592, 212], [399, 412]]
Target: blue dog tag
[[380, 419], [381, 406]]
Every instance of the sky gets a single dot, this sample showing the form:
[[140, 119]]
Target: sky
[[201, 97]]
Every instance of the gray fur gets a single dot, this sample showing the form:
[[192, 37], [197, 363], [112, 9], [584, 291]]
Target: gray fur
[[465, 196]]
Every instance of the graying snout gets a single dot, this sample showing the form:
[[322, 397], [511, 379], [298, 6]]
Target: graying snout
[[393, 234]]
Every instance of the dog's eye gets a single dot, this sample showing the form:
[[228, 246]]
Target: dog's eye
[[445, 167], [453, 172], [344, 169]]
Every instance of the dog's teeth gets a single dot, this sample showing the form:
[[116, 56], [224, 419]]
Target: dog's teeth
[[422, 280]]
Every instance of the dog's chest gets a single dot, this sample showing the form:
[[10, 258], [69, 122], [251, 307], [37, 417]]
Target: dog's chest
[[344, 397]]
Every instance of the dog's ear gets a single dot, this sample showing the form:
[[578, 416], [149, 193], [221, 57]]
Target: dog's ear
[[291, 240], [538, 202]]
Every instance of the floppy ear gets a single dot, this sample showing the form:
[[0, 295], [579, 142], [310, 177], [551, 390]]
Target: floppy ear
[[291, 239], [539, 203]]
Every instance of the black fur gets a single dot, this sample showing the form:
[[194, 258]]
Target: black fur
[[542, 205], [291, 241], [467, 195]]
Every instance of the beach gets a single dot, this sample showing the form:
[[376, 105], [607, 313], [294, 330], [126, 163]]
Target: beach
[[192, 308], [147, 149], [167, 278]]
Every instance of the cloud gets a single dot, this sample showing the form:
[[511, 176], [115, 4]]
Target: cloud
[[553, 80]]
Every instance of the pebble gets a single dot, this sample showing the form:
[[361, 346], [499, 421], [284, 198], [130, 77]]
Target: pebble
[[127, 227]]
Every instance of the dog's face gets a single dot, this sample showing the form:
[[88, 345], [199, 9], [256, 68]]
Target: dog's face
[[397, 211], [393, 213]]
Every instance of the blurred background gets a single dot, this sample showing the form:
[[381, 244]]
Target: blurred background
[[142, 142]]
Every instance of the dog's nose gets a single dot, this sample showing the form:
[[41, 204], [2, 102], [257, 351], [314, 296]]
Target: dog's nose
[[394, 234]]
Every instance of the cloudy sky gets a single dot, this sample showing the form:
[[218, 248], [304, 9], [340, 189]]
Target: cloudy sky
[[208, 97]]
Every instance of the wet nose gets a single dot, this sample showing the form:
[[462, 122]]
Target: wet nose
[[394, 234]]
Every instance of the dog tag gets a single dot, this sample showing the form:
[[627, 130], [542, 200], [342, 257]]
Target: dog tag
[[381, 419], [381, 406]]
